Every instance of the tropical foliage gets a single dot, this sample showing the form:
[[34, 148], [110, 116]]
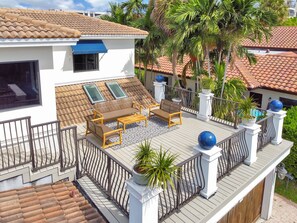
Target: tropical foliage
[[290, 22], [290, 133]]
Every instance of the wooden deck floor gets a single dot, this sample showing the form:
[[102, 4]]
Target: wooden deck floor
[[179, 141]]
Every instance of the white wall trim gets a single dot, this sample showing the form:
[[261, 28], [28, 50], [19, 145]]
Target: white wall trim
[[89, 37], [223, 211], [93, 80], [37, 42]]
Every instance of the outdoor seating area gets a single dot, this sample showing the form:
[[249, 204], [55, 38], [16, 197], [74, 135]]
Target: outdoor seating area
[[107, 118]]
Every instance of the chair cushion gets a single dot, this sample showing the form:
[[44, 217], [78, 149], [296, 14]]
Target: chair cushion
[[161, 113], [119, 113]]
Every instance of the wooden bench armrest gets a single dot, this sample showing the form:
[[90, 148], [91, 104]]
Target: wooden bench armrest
[[153, 106], [97, 113], [99, 120], [137, 105], [175, 113], [114, 131]]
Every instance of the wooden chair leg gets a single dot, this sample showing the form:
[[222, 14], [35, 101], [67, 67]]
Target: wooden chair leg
[[103, 142]]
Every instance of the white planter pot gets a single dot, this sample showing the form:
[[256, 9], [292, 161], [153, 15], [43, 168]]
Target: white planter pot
[[206, 91], [249, 122], [139, 178], [176, 100]]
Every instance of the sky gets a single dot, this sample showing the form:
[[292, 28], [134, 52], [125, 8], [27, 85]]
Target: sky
[[87, 5]]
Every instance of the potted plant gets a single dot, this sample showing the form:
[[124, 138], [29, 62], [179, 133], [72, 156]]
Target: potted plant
[[208, 85], [144, 155], [245, 108], [153, 168]]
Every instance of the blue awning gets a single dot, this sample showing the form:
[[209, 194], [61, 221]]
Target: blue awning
[[89, 47]]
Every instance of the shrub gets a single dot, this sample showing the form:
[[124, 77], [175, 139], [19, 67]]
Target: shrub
[[290, 133]]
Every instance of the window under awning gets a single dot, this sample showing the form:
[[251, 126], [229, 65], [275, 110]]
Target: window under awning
[[89, 47]]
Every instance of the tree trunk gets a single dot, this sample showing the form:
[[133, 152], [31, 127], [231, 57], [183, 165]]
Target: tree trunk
[[174, 63], [220, 56], [208, 61], [226, 68]]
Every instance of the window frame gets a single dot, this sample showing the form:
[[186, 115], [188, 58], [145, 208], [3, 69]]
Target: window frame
[[85, 63], [90, 97], [111, 91]]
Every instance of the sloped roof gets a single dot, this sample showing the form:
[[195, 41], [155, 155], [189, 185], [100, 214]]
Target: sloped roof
[[283, 37], [13, 26], [84, 24], [60, 202], [73, 104], [272, 71]]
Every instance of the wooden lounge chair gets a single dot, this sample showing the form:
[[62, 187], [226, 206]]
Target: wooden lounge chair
[[167, 111], [95, 125]]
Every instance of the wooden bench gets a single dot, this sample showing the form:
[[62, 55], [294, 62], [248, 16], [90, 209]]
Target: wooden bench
[[111, 110], [95, 125], [167, 111]]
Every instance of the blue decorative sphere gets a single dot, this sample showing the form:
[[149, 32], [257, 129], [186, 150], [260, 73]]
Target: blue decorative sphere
[[276, 105], [207, 140], [160, 78]]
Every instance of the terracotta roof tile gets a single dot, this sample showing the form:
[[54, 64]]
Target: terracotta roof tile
[[283, 37], [73, 104], [51, 209], [13, 26], [273, 71], [72, 21]]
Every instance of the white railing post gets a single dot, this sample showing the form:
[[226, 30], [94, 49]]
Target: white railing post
[[159, 91], [209, 163], [143, 203], [205, 106], [267, 201], [251, 138], [278, 122]]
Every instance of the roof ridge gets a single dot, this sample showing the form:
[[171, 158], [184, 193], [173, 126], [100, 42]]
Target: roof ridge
[[19, 18], [38, 10], [246, 74], [284, 54]]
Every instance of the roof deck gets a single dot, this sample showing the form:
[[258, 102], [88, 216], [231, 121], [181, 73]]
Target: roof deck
[[178, 139]]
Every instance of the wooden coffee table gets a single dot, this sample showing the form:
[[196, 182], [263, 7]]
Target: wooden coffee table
[[131, 119]]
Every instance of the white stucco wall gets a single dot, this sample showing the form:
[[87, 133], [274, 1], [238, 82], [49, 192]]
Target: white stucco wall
[[117, 62], [46, 111], [273, 94]]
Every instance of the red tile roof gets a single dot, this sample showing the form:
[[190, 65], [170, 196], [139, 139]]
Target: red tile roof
[[13, 26], [283, 37], [272, 71], [60, 202], [83, 24], [73, 104]]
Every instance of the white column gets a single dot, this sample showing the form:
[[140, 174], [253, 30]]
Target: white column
[[251, 138], [209, 163], [268, 195], [159, 91], [143, 203], [278, 122], [205, 106]]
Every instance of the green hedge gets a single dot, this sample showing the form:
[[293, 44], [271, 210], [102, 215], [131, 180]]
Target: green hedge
[[290, 133]]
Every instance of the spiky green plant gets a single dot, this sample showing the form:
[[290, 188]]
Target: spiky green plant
[[245, 107], [208, 83], [143, 156], [162, 169]]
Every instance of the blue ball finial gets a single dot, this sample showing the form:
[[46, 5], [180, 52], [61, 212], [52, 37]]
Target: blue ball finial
[[207, 140], [160, 78], [276, 105]]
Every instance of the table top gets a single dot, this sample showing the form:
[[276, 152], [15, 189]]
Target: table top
[[132, 118]]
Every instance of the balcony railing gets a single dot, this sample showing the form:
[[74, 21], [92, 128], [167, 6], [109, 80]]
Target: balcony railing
[[267, 132], [234, 152]]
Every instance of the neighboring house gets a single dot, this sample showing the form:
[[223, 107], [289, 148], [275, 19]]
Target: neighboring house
[[41, 51], [274, 75], [292, 7], [283, 39]]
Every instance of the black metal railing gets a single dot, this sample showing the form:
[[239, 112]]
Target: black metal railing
[[68, 149], [107, 173], [267, 132], [188, 99], [15, 142], [46, 144], [187, 185], [234, 152], [224, 112]]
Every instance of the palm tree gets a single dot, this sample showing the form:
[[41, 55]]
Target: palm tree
[[134, 9], [117, 14], [242, 19]]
